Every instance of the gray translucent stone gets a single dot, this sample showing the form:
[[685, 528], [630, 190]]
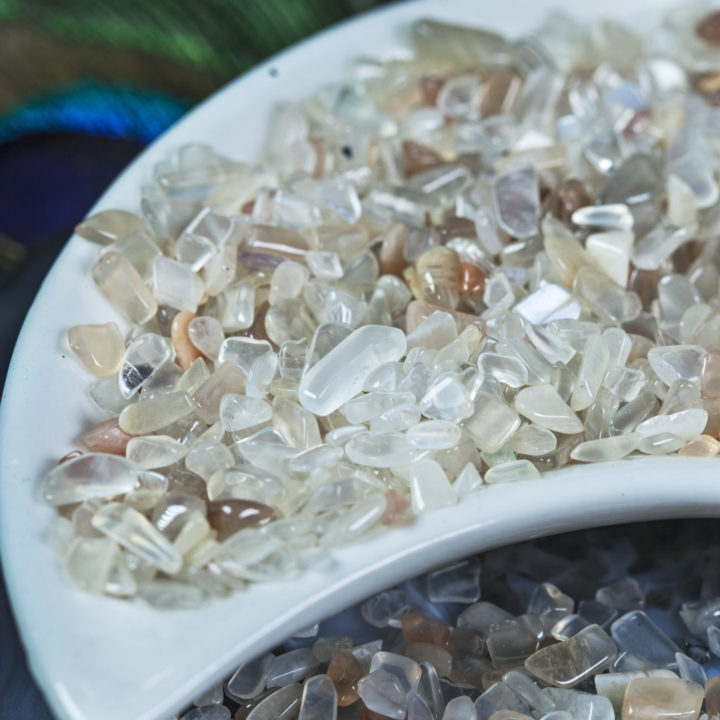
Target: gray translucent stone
[[581, 705], [213, 696], [690, 670], [529, 691], [284, 704], [657, 246], [499, 697], [677, 362], [340, 375], [319, 699], [418, 708], [458, 582], [517, 202], [676, 294], [460, 708], [385, 693], [638, 180], [94, 475], [637, 633], [613, 216], [698, 616], [144, 356], [510, 644], [713, 638], [324, 647], [550, 604], [385, 608], [242, 352], [571, 661], [630, 415], [625, 595], [568, 626], [597, 613], [430, 689], [208, 712], [482, 616], [380, 449], [250, 678]]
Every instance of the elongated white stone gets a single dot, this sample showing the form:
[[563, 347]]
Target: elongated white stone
[[340, 375], [238, 412], [319, 699], [533, 440], [543, 405], [492, 423], [94, 475], [677, 362], [595, 358], [604, 449], [517, 203], [154, 451], [686, 424], [434, 435], [511, 472], [547, 303], [610, 252], [429, 487], [281, 705], [133, 531], [616, 216], [380, 450]]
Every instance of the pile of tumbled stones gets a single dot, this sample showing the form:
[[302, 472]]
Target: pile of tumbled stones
[[485, 260], [639, 639]]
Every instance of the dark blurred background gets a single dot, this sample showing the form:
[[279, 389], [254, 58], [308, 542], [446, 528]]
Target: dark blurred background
[[85, 85]]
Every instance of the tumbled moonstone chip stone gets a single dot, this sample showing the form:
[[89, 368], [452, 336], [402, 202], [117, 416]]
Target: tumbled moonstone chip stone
[[175, 284], [569, 662], [109, 226], [133, 531], [543, 405], [434, 435], [238, 412], [291, 667], [380, 450], [511, 472], [516, 198], [654, 698], [100, 348], [93, 475], [281, 705], [157, 412], [143, 357], [249, 679], [122, 285], [603, 449], [686, 424], [492, 423], [429, 487], [340, 375], [155, 451], [319, 700]]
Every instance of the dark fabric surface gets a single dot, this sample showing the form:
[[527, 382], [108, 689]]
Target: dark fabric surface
[[84, 86]]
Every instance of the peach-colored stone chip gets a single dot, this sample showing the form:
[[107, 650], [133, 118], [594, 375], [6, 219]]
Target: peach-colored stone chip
[[186, 353], [105, 437]]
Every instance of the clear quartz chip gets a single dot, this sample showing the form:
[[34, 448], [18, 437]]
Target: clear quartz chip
[[542, 405], [122, 285], [175, 284], [109, 226], [143, 358], [517, 203], [340, 375], [615, 216], [93, 475], [135, 533], [568, 663]]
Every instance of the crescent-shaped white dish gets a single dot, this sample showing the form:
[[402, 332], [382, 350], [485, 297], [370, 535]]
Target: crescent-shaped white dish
[[97, 658]]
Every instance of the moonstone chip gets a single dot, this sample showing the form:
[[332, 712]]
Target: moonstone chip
[[207, 335], [340, 375], [511, 472], [434, 435], [429, 487], [284, 704], [447, 398], [135, 533], [319, 699], [517, 202], [492, 423], [604, 449], [143, 358], [146, 416], [90, 560], [613, 685], [652, 698], [543, 405], [614, 216], [506, 369], [93, 475], [175, 284], [529, 691], [690, 670], [533, 440], [242, 351], [549, 302], [568, 663], [610, 251], [638, 634], [122, 285], [686, 424], [499, 697], [594, 364], [380, 450], [407, 671], [418, 708], [710, 374], [100, 348], [208, 712], [383, 692], [109, 226], [291, 667], [155, 451], [468, 481], [249, 679], [581, 704], [238, 412], [460, 708]]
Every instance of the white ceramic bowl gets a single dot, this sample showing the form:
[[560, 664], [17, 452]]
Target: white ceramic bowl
[[102, 659]]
